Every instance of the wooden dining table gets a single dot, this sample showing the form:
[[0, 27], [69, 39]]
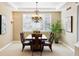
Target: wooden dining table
[[30, 38]]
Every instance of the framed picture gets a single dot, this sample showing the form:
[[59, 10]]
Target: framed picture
[[0, 24], [4, 24], [69, 24]]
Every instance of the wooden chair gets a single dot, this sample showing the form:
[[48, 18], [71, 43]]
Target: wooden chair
[[24, 41], [49, 42], [36, 32], [37, 36], [36, 45]]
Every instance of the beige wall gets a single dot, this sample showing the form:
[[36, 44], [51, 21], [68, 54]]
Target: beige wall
[[69, 38], [56, 16], [17, 25], [5, 10]]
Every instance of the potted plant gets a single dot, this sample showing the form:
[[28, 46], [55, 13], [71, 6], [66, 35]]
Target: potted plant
[[57, 30]]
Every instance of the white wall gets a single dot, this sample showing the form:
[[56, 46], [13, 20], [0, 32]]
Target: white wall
[[78, 21], [69, 38], [6, 10]]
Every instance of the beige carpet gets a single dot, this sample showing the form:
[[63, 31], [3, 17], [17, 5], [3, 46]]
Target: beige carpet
[[15, 50]]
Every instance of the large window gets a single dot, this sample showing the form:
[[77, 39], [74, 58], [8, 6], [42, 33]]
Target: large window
[[30, 25]]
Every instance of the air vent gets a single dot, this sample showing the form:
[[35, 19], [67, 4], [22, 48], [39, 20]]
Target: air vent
[[68, 8]]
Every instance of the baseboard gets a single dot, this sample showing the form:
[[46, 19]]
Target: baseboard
[[16, 41], [5, 46], [68, 47], [8, 45]]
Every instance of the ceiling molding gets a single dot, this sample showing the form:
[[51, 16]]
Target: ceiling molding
[[12, 5], [48, 7]]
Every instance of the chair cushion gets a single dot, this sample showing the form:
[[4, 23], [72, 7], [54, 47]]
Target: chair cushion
[[27, 42], [47, 42]]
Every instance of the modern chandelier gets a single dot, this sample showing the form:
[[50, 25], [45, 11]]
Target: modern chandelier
[[36, 17]]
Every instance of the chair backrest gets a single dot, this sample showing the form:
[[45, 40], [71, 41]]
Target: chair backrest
[[36, 35], [36, 32], [51, 34], [51, 37], [36, 44], [22, 37]]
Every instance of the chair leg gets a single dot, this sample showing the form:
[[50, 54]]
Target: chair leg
[[23, 47], [32, 50], [50, 46], [42, 50], [41, 53], [32, 53]]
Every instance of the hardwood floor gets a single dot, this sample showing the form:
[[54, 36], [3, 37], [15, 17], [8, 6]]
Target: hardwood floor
[[14, 49]]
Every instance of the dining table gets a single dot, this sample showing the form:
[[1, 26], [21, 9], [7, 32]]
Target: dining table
[[30, 38]]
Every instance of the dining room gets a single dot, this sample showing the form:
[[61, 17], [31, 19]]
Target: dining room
[[38, 28], [29, 23]]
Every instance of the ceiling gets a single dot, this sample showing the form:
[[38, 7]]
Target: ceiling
[[42, 6]]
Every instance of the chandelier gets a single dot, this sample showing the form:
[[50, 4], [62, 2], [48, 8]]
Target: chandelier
[[36, 17]]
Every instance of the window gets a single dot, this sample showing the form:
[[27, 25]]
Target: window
[[46, 22], [27, 22], [30, 25]]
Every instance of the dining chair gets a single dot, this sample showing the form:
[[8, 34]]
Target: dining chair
[[36, 36], [36, 45], [49, 41], [24, 41], [36, 32]]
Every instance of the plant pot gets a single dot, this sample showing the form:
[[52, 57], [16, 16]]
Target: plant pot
[[56, 41]]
